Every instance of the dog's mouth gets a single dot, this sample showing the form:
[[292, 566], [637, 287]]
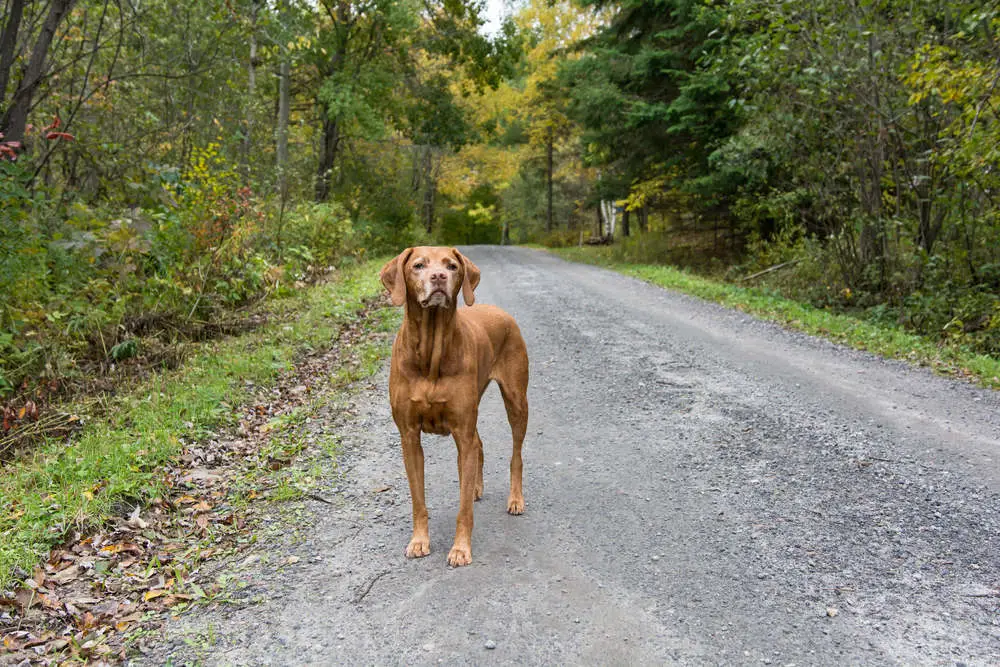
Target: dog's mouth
[[436, 298]]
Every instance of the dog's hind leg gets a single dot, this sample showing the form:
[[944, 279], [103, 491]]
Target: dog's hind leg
[[512, 376], [479, 470]]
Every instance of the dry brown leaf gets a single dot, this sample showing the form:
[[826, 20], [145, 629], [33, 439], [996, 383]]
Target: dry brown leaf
[[121, 547], [26, 598], [124, 622], [50, 601], [56, 645], [86, 621], [171, 600], [38, 641], [66, 575]]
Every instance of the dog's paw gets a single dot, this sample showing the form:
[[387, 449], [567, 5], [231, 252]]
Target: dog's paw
[[459, 556], [418, 547], [515, 505]]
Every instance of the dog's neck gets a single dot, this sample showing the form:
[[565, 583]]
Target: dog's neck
[[432, 330]]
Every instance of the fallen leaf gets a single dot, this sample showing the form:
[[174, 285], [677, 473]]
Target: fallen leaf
[[38, 641], [86, 621], [26, 598], [106, 608], [56, 645], [153, 593], [121, 547], [50, 601], [175, 598], [66, 575], [122, 623]]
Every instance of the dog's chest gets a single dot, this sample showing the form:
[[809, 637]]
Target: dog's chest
[[430, 408]]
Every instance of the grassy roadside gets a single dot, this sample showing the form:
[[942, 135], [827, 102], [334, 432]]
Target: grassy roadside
[[118, 460], [860, 334]]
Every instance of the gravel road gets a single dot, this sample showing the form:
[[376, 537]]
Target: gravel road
[[701, 488]]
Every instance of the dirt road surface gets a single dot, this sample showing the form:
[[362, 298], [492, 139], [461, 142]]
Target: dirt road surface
[[701, 488]]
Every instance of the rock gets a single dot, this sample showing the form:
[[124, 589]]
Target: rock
[[490, 644], [832, 611]]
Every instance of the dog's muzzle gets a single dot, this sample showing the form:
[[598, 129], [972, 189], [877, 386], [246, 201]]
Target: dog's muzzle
[[436, 299]]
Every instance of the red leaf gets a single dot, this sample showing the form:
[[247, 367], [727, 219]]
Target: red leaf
[[60, 135], [56, 122]]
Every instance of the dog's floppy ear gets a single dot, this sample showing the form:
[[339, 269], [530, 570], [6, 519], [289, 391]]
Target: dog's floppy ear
[[393, 278], [471, 280]]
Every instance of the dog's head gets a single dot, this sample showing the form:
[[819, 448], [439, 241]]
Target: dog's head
[[431, 277]]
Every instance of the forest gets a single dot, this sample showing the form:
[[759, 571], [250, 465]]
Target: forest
[[165, 165]]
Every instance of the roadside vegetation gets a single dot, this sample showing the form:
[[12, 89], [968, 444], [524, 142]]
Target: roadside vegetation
[[119, 458]]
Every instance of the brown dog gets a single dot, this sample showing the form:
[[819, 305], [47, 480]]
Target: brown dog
[[442, 360]]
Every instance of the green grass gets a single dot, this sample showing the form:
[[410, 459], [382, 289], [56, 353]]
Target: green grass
[[119, 459], [879, 339]]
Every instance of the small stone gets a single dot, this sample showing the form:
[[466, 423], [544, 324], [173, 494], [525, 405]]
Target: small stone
[[576, 620], [832, 611], [428, 647], [490, 644], [655, 558]]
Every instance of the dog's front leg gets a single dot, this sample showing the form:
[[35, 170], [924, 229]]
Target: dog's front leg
[[413, 459], [468, 464]]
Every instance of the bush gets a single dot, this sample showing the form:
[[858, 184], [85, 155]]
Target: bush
[[314, 236], [82, 287]]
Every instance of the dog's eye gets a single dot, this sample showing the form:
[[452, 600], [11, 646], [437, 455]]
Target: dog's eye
[[418, 265], [453, 267]]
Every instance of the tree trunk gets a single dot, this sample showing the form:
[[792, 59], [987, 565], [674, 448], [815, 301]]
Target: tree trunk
[[16, 117], [8, 40], [608, 213], [548, 213], [430, 189], [625, 228], [327, 158], [281, 150], [600, 223], [251, 94]]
